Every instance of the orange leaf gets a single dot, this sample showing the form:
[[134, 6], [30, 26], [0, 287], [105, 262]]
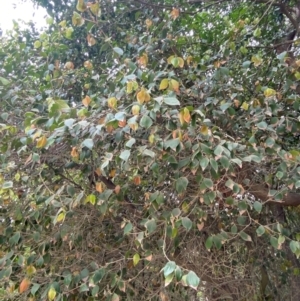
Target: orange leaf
[[88, 65], [175, 13], [200, 226], [24, 285], [122, 123], [74, 152], [186, 115], [174, 85], [143, 60], [112, 173], [117, 189], [91, 40], [100, 187], [137, 180], [86, 101]]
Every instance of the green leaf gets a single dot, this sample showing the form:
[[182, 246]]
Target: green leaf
[[125, 155], [118, 50], [146, 122], [169, 268], [217, 241], [171, 101], [262, 125], [294, 246], [186, 223], [173, 143], [192, 280], [245, 236], [260, 230], [99, 274], [209, 242], [150, 225], [4, 81], [257, 206], [233, 229], [7, 185], [214, 164], [89, 143], [136, 259], [128, 228], [208, 183], [181, 184], [204, 163], [35, 288], [130, 142], [274, 242]]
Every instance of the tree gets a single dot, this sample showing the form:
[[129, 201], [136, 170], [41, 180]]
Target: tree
[[149, 150]]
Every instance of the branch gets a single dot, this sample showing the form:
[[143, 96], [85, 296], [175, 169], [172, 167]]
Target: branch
[[261, 192]]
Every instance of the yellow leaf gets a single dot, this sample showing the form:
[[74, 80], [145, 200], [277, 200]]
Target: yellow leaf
[[256, 60], [77, 20], [100, 187], [134, 126], [24, 285], [74, 152], [140, 96], [181, 117], [136, 259], [129, 88], [95, 9], [170, 58], [245, 106], [148, 23], [174, 85], [204, 130], [147, 97], [175, 13], [189, 59], [151, 139], [269, 92], [186, 115], [135, 85], [41, 142], [81, 6], [164, 84], [175, 61], [135, 110], [30, 270], [51, 293], [180, 62], [91, 198], [61, 216], [86, 101], [112, 102]]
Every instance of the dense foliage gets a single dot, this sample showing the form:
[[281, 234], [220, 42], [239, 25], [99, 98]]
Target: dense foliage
[[149, 151]]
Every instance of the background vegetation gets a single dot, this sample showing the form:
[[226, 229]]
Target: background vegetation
[[150, 151]]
